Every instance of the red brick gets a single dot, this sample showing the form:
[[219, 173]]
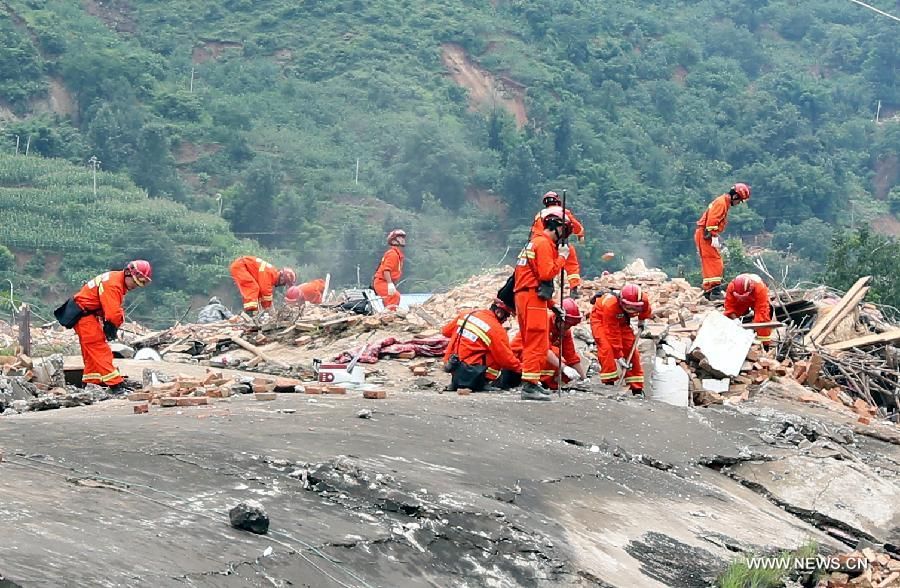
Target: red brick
[[191, 401], [864, 420], [420, 371], [168, 401], [314, 389], [266, 395], [463, 392], [374, 394], [139, 396], [335, 390], [286, 384], [262, 388], [141, 408]]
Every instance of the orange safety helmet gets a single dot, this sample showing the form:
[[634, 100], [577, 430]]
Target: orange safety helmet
[[571, 313], [632, 298], [140, 271], [742, 191], [744, 285], [287, 277], [293, 295], [393, 236], [551, 198]]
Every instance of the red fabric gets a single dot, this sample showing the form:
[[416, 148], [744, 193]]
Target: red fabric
[[736, 307], [256, 279], [711, 265], [478, 345], [534, 334], [611, 328], [391, 261], [427, 347]]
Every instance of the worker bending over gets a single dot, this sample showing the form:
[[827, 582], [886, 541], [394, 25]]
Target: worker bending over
[[560, 322], [257, 279], [307, 292], [616, 342], [478, 338], [747, 293], [213, 312], [390, 270], [712, 224]]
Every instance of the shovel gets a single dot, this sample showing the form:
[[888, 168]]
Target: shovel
[[621, 380]]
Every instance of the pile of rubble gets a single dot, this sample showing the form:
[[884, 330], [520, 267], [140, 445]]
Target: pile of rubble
[[26, 385], [864, 568]]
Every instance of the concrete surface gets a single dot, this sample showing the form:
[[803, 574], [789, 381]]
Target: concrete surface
[[432, 490]]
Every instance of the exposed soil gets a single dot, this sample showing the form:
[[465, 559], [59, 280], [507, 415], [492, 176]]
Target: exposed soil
[[887, 225], [283, 56], [187, 152], [487, 201], [679, 75], [886, 175], [58, 100], [115, 14], [211, 49], [485, 89]]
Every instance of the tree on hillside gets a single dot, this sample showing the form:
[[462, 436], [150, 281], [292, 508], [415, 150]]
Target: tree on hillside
[[863, 253]]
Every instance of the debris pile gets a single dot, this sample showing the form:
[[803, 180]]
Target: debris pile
[[864, 568]]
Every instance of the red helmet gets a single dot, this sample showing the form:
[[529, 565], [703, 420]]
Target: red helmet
[[551, 198], [740, 190], [394, 236], [571, 313], [503, 306], [287, 277], [552, 217], [744, 285], [293, 295], [632, 298], [140, 271]]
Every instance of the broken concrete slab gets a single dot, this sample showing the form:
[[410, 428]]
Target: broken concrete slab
[[723, 343]]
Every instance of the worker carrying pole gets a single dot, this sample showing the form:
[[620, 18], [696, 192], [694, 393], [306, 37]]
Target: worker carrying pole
[[96, 313], [572, 267], [710, 225], [538, 264]]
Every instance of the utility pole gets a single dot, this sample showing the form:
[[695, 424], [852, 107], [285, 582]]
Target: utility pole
[[24, 320], [192, 80], [27, 145], [220, 201], [94, 163], [357, 171], [17, 144], [877, 112], [357, 276]]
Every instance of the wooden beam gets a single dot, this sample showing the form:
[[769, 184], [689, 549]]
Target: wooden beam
[[257, 351], [827, 324], [873, 339], [768, 325]]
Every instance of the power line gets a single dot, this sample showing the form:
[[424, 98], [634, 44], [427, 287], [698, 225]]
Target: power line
[[881, 12]]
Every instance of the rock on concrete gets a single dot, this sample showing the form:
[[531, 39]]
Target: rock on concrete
[[249, 516]]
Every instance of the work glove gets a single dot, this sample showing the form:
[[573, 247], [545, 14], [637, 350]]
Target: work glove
[[570, 373], [623, 364], [392, 289], [110, 330], [716, 243], [564, 251]]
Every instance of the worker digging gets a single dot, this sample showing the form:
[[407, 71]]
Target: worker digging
[[256, 280], [710, 226]]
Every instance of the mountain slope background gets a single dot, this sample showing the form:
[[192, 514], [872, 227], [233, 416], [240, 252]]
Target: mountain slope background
[[316, 126]]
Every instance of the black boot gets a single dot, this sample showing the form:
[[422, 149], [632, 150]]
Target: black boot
[[532, 391]]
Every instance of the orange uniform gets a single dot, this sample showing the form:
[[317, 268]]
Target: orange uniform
[[570, 356], [391, 261], [758, 301], [538, 262], [572, 267], [483, 341], [711, 224], [256, 279], [312, 291], [611, 327], [102, 299]]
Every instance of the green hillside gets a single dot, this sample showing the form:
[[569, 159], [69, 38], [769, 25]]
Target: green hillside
[[57, 234], [460, 113]]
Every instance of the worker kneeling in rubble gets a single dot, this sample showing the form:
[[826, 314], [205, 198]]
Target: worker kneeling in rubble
[[307, 292], [213, 312], [96, 314], [390, 270], [746, 293], [257, 279], [616, 341], [479, 348], [560, 323]]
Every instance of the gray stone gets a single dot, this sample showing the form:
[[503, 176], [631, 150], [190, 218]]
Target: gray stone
[[249, 516]]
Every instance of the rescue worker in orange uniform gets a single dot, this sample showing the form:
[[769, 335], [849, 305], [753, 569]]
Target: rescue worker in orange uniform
[[257, 279], [745, 293], [536, 267], [479, 338], [560, 325], [572, 267], [100, 303], [611, 327], [390, 270], [712, 224], [307, 292]]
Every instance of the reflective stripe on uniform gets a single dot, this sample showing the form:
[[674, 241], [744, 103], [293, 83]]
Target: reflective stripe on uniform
[[609, 375], [110, 376], [493, 372], [531, 376], [574, 276], [251, 305], [474, 327], [712, 228], [634, 380], [716, 279]]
